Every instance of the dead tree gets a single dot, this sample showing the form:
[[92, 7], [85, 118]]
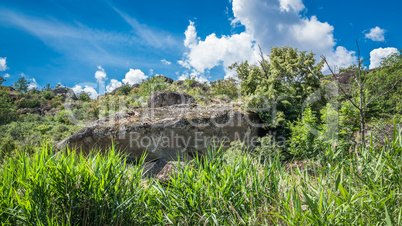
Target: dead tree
[[360, 77]]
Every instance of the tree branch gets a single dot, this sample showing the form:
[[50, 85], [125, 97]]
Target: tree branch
[[262, 62], [384, 93], [339, 84]]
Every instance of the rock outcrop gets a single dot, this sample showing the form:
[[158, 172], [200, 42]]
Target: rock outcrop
[[168, 132], [168, 98], [65, 93], [161, 170]]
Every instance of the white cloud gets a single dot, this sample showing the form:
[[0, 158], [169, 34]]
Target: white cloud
[[340, 58], [6, 75], [100, 75], [206, 54], [377, 55], [194, 74], [191, 36], [166, 62], [134, 76], [267, 23], [32, 84], [3, 63], [88, 89], [114, 84], [376, 34], [287, 5]]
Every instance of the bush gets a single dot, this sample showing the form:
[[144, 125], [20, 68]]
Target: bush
[[47, 95], [7, 109], [156, 83], [226, 88], [125, 89], [43, 129], [304, 142], [27, 103], [271, 147], [84, 97], [7, 146]]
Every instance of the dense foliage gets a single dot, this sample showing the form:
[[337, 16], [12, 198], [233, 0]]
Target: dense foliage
[[96, 189]]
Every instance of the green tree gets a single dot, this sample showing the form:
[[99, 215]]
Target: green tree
[[7, 108], [361, 94], [21, 84], [2, 80], [84, 97], [277, 88], [225, 87], [125, 89]]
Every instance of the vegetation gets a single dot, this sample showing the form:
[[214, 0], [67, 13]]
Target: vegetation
[[70, 188], [21, 84], [311, 167]]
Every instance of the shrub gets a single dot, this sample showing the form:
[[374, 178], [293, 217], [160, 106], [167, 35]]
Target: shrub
[[226, 88], [304, 142], [47, 95], [156, 83], [271, 147], [125, 89], [43, 128], [7, 109], [84, 97], [7, 145], [27, 103]]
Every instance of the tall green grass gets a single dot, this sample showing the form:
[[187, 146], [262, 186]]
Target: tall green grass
[[66, 188]]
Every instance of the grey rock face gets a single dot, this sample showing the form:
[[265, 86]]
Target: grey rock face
[[162, 170], [168, 98], [168, 132], [65, 93]]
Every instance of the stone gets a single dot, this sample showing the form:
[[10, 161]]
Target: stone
[[168, 98], [168, 132], [161, 170], [168, 80], [65, 93]]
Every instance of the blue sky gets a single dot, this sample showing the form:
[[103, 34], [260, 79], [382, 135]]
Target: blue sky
[[124, 41]]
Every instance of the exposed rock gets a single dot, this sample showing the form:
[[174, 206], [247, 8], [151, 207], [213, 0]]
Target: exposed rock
[[168, 98], [8, 88], [161, 170], [65, 93], [195, 84], [168, 80], [168, 132], [24, 111]]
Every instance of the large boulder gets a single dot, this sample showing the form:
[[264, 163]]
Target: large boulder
[[65, 93], [168, 132], [168, 98]]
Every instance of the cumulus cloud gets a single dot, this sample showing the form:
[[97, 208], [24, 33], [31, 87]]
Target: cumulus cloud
[[6, 75], [100, 75], [32, 84], [287, 5], [193, 74], [376, 34], [166, 62], [3, 63], [340, 58], [88, 89], [377, 55], [114, 84], [134, 76], [267, 23], [206, 54], [191, 36]]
